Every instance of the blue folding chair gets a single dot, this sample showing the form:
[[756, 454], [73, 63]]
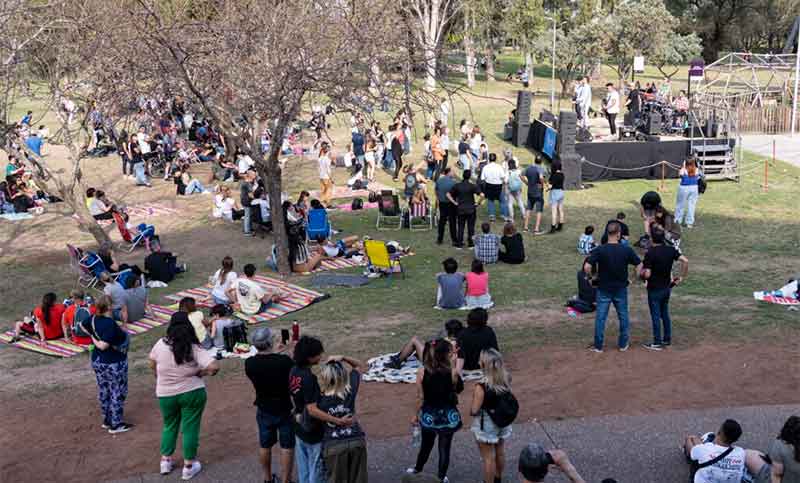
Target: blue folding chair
[[319, 227]]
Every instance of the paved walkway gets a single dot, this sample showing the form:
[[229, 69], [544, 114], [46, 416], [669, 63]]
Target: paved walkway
[[632, 449], [787, 148]]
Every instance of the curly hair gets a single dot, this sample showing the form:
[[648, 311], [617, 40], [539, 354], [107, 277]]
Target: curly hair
[[790, 434]]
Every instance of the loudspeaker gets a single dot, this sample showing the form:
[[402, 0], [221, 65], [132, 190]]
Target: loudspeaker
[[567, 132], [583, 136], [628, 119], [519, 134], [571, 167], [653, 125], [524, 99]]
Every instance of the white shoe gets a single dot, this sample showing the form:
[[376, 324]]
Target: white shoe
[[166, 466], [192, 471]]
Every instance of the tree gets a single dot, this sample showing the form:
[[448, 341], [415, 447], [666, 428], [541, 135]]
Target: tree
[[524, 21], [576, 52], [428, 21], [676, 51]]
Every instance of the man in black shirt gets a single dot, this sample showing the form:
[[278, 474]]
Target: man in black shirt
[[611, 261], [476, 337], [658, 272], [160, 265], [625, 232], [648, 204], [462, 195], [634, 101], [269, 373]]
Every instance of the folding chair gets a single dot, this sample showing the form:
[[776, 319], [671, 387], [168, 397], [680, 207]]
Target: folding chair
[[86, 277], [420, 212], [319, 227], [378, 257], [132, 240], [389, 211]]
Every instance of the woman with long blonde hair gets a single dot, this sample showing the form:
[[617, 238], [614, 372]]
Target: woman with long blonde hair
[[488, 435], [687, 193]]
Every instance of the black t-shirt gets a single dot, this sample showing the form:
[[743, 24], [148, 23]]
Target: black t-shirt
[[463, 147], [586, 292], [158, 266], [304, 388], [650, 200], [464, 193], [557, 181], [438, 390], [472, 341], [635, 97], [659, 259], [625, 232], [514, 247], [612, 260], [269, 374], [341, 408]]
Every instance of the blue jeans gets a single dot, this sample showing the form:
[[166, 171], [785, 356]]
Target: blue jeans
[[308, 458], [194, 186], [504, 204], [430, 170], [246, 220], [658, 300], [687, 200], [619, 298], [138, 171]]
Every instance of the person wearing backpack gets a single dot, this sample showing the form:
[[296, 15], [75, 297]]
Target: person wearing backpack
[[514, 186], [713, 457], [76, 317], [493, 410]]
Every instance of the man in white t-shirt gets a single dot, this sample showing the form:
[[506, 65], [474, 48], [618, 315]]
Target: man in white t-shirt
[[611, 106], [244, 163], [251, 297], [705, 451], [144, 141]]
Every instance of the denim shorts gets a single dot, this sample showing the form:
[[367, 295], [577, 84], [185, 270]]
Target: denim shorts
[[556, 196], [490, 433], [272, 429]]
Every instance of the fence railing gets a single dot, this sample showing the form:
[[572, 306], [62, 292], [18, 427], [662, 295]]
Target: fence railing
[[769, 119]]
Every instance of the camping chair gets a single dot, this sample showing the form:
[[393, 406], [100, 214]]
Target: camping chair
[[319, 227], [132, 240], [86, 277], [389, 211], [420, 212], [378, 258]]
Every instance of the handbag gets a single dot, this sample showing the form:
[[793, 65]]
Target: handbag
[[701, 185], [122, 348]]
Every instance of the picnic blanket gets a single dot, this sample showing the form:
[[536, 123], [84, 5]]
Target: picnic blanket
[[335, 279], [786, 295], [16, 216], [139, 212], [378, 372], [337, 263], [347, 192], [67, 348], [295, 298], [349, 206]]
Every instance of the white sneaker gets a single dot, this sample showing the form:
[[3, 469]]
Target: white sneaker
[[411, 471], [192, 471], [166, 466]]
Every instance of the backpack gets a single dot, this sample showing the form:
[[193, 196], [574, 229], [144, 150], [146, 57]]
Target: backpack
[[410, 182], [357, 204], [233, 335], [506, 410], [373, 197], [701, 185], [514, 182], [82, 315]]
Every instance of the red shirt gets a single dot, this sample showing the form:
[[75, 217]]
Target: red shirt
[[69, 318], [52, 328]]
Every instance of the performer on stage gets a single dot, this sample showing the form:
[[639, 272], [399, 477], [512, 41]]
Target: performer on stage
[[583, 101], [634, 102], [611, 107]]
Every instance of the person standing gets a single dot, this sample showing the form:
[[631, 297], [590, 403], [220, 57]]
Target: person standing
[[687, 193], [611, 261], [462, 195], [325, 175], [658, 272], [534, 179], [634, 101], [584, 100], [612, 107], [447, 210], [647, 208], [485, 397], [179, 364], [269, 372], [557, 198], [246, 198], [493, 177], [398, 138], [444, 142]]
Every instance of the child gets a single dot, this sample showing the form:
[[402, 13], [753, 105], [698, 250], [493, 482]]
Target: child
[[450, 286], [220, 320], [586, 242], [477, 294]]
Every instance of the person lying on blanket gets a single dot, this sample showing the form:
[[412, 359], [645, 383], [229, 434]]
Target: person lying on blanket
[[341, 247], [452, 330], [44, 323], [250, 297]]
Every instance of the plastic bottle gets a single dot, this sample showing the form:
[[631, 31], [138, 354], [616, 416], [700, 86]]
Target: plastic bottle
[[416, 436], [295, 331]]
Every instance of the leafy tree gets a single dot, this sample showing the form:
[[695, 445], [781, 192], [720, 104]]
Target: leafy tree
[[676, 51], [577, 51]]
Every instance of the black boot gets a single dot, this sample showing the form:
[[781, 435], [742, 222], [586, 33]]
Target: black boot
[[553, 228], [558, 227]]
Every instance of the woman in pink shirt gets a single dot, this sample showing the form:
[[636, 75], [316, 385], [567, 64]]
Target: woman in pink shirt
[[179, 364], [477, 294]]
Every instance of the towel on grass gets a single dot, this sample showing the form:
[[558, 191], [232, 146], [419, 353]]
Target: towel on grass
[[786, 295], [334, 279], [378, 372]]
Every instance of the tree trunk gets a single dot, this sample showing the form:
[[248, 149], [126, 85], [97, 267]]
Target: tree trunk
[[529, 66], [429, 51], [469, 51], [489, 52], [270, 170], [86, 221]]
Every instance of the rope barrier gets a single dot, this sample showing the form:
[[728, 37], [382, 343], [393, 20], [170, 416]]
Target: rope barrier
[[629, 169]]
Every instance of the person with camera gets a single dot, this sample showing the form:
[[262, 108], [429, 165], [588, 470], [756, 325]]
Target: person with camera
[[535, 462]]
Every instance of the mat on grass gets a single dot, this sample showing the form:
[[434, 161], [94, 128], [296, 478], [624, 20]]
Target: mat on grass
[[347, 192], [295, 298], [321, 280], [337, 263], [16, 216], [786, 295], [67, 348], [143, 211], [349, 206], [378, 372]]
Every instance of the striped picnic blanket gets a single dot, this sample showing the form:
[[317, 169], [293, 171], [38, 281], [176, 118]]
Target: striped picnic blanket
[[340, 262], [67, 348], [294, 299], [347, 192], [785, 295]]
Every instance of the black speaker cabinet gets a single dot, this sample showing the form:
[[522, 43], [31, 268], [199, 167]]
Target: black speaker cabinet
[[567, 132], [524, 100], [519, 135]]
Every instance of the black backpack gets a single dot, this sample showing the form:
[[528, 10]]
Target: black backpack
[[234, 334], [701, 185], [357, 204], [506, 410]]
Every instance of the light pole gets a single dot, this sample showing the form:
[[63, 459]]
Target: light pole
[[553, 63]]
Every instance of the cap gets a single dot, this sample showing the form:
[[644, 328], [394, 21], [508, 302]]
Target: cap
[[532, 460]]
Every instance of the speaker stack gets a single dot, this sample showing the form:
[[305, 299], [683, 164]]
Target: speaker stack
[[522, 124], [565, 149], [653, 126]]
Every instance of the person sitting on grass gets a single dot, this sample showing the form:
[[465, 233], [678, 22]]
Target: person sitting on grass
[[625, 232], [162, 265], [487, 244], [474, 339], [586, 299], [586, 242], [223, 281], [220, 320], [477, 293], [451, 331], [713, 457], [450, 286], [45, 323], [252, 298], [76, 316], [188, 307], [513, 246], [185, 184]]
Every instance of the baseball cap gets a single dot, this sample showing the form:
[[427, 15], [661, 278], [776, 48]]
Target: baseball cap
[[533, 462]]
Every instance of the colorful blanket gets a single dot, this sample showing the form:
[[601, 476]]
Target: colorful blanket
[[141, 212], [295, 298], [349, 206], [347, 192], [378, 372], [786, 295], [67, 348]]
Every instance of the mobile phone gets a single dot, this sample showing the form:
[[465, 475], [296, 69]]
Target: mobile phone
[[285, 336]]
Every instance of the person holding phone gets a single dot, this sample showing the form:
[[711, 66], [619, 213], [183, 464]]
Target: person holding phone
[[657, 272], [535, 463]]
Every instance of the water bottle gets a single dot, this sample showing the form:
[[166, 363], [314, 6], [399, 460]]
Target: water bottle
[[416, 436]]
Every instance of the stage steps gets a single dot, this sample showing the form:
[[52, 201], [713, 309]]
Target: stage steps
[[716, 159]]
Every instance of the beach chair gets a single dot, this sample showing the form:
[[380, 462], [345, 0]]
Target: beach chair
[[378, 258], [78, 262], [132, 240], [390, 216], [319, 227], [422, 214]]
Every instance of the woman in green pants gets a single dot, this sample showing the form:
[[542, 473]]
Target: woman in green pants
[[179, 364]]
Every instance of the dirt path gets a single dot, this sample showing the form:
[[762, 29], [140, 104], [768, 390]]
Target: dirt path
[[62, 428]]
